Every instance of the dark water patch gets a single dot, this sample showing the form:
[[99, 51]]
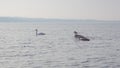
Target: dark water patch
[[85, 61], [118, 66], [17, 55], [76, 64], [117, 49], [37, 67], [107, 66], [94, 60], [85, 66], [72, 58], [26, 43]]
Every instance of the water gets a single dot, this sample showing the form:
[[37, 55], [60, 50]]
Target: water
[[20, 48]]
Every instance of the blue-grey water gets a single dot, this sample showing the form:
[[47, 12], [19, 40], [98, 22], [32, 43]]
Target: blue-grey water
[[20, 48]]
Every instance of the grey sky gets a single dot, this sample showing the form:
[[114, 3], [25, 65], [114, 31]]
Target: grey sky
[[68, 9]]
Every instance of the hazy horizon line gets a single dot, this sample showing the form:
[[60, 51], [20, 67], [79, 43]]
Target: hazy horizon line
[[56, 18]]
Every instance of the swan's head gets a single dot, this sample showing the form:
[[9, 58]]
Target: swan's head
[[36, 29], [75, 32]]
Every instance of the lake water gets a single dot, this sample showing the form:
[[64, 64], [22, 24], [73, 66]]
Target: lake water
[[20, 48]]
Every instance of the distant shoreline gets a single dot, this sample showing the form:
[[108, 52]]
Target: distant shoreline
[[22, 19]]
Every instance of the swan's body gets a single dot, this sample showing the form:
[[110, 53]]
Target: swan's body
[[39, 33], [80, 37]]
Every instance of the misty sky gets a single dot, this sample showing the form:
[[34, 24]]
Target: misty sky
[[63, 9]]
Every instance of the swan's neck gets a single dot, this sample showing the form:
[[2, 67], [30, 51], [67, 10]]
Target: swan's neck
[[76, 33], [36, 32]]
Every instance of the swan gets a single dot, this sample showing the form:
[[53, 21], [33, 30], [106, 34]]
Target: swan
[[39, 33], [80, 37]]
